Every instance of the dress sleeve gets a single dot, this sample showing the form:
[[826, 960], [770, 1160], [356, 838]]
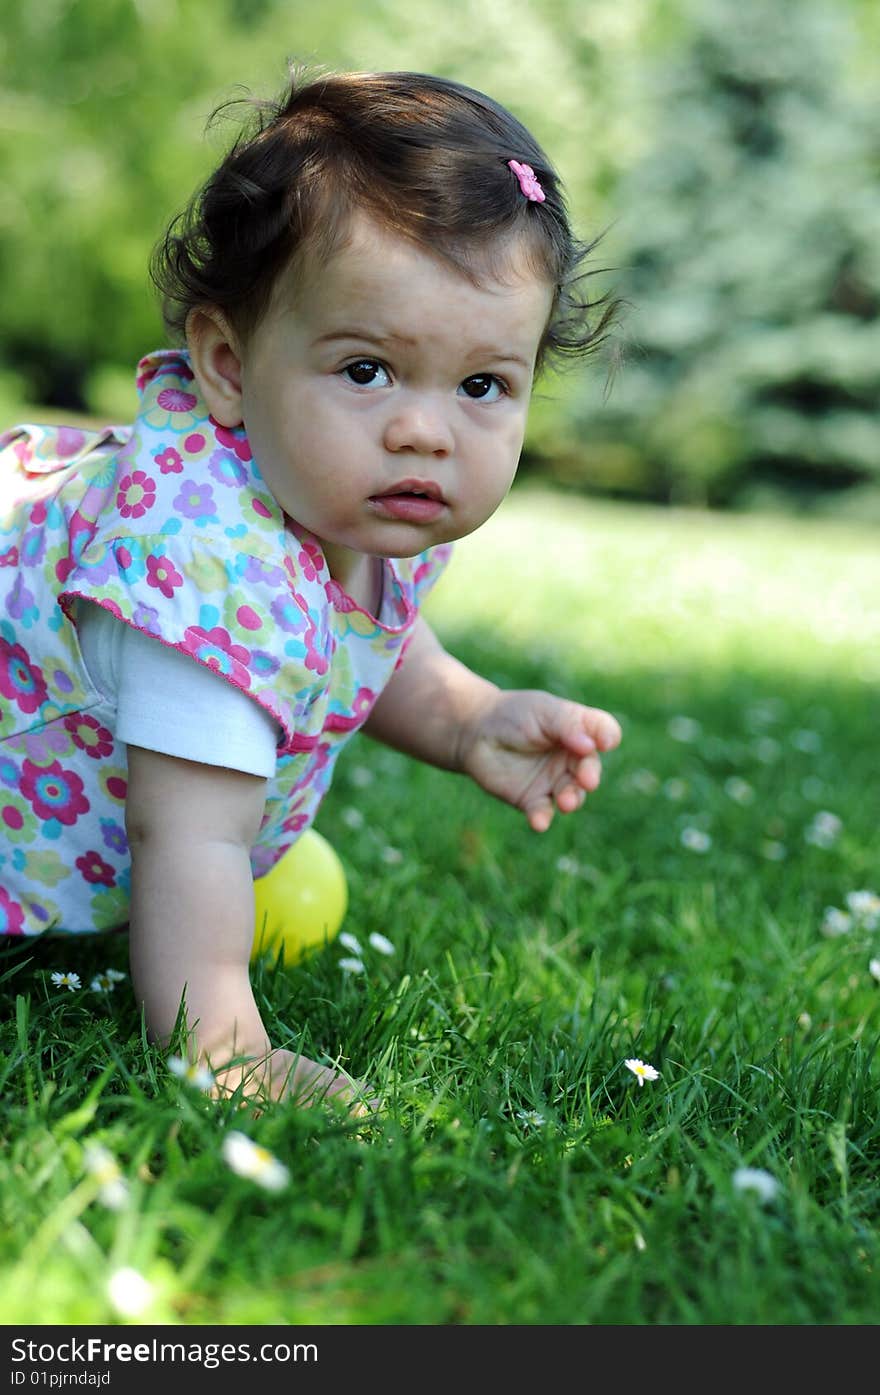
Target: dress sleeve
[[166, 702]]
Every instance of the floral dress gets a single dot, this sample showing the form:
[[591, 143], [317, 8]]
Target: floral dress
[[169, 525]]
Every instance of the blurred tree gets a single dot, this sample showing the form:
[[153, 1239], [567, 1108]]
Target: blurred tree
[[750, 232], [101, 140]]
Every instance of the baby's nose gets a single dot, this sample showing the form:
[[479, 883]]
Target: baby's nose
[[419, 425]]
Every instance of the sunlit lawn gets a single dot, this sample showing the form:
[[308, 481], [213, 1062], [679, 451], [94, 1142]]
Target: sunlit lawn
[[518, 1172]]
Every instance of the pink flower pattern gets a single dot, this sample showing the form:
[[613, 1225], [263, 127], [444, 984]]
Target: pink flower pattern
[[163, 575], [137, 493]]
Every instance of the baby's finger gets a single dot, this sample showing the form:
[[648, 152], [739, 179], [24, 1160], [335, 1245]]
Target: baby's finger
[[569, 797], [602, 727], [539, 813], [585, 729], [588, 773]]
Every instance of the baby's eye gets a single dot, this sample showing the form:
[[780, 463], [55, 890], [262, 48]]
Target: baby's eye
[[483, 387], [366, 372]]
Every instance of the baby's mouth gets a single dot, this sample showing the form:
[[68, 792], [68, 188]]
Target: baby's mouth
[[410, 501]]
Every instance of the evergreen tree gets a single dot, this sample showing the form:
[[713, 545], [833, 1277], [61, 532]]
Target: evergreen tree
[[749, 237]]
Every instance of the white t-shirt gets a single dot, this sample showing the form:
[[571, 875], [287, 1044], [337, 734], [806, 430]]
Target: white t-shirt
[[154, 696]]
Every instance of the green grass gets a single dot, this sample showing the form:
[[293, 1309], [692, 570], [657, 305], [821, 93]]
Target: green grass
[[517, 1173]]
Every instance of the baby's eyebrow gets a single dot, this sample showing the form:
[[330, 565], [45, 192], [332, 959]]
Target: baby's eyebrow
[[370, 335], [484, 352]]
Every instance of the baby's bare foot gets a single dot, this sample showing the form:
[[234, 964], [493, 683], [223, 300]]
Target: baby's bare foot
[[285, 1075], [306, 1082]]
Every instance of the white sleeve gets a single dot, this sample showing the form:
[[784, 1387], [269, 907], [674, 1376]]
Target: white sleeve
[[167, 702]]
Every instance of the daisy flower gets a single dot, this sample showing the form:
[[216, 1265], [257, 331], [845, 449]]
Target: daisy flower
[[129, 1292], [100, 1163], [66, 980], [756, 1180], [641, 1070], [675, 789], [102, 983], [248, 1159], [350, 965], [804, 740], [865, 908], [683, 728], [824, 830], [193, 1072], [381, 943], [349, 941], [835, 922], [740, 791], [874, 968], [645, 781], [530, 1118], [695, 840]]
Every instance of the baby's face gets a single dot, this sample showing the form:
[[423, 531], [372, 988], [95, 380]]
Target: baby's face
[[386, 399]]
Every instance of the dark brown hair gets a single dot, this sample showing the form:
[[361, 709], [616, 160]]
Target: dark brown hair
[[424, 156]]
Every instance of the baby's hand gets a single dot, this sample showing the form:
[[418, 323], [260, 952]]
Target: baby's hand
[[538, 752]]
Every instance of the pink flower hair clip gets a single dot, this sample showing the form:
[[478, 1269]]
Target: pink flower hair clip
[[528, 181]]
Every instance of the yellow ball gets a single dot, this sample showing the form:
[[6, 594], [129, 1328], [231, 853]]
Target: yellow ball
[[302, 901]]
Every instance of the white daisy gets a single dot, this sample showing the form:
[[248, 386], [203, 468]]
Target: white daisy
[[645, 781], [349, 941], [740, 791], [808, 741], [641, 1070], [351, 966], [835, 922], [530, 1118], [129, 1292], [865, 908], [248, 1159], [193, 1072], [874, 968], [66, 980], [824, 830], [683, 728], [755, 1179], [102, 983], [675, 789], [113, 1190], [695, 840], [381, 943]]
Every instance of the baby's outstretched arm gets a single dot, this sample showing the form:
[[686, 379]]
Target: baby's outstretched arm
[[190, 829], [535, 751]]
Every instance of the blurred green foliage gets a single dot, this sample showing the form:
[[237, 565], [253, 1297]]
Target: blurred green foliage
[[750, 235], [729, 147]]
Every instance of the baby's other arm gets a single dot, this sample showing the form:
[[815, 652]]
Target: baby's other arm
[[190, 829]]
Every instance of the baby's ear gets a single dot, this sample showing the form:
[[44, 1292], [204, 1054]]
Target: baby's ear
[[216, 362]]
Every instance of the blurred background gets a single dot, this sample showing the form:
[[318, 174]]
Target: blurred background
[[727, 150]]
